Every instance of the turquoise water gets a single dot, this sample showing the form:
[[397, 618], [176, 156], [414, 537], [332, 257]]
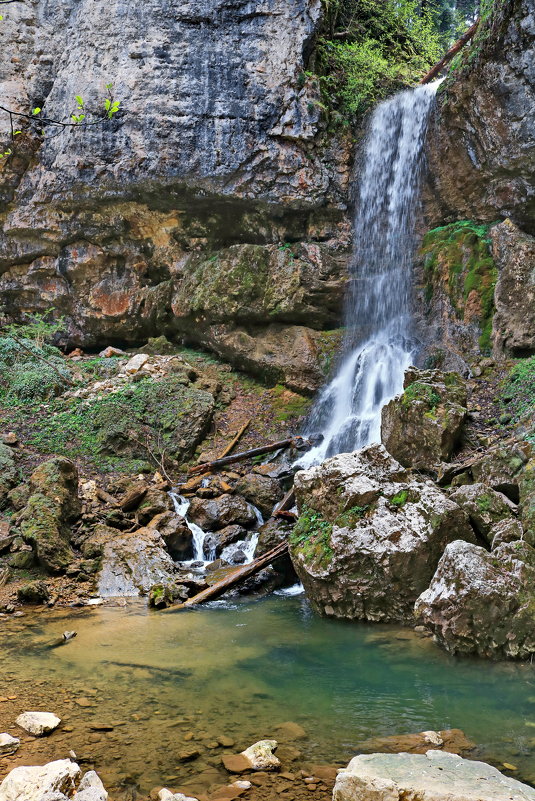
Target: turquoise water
[[240, 669]]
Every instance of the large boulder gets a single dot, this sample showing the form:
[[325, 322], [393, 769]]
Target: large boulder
[[503, 468], [483, 603], [131, 563], [33, 783], [216, 513], [422, 427], [175, 533], [434, 776], [53, 505], [262, 491], [526, 489], [485, 507], [370, 535]]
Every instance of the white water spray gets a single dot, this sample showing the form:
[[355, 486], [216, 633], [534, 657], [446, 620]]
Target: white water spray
[[377, 346]]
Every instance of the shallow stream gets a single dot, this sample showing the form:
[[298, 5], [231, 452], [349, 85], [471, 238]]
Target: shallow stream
[[169, 682]]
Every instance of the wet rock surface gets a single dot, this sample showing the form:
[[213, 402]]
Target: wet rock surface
[[370, 535], [482, 603], [218, 513], [131, 563]]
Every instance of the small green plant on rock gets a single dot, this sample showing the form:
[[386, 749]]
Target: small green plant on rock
[[311, 537], [518, 393]]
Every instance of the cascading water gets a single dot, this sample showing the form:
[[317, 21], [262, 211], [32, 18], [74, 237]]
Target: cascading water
[[377, 345]]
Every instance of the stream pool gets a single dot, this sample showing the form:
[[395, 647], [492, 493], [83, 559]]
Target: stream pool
[[162, 683]]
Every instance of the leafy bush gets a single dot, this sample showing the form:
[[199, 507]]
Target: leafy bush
[[369, 50], [24, 376]]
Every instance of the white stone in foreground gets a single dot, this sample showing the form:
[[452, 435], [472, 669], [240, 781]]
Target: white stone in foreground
[[434, 776], [261, 755], [32, 784], [38, 723], [167, 795], [8, 744], [91, 788]]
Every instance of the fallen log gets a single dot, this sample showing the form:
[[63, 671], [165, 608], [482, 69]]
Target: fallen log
[[236, 439], [236, 577], [209, 467], [459, 44], [287, 502]]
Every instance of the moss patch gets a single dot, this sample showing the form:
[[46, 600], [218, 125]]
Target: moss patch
[[311, 537], [517, 396]]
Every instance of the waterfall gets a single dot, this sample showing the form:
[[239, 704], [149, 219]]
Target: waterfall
[[377, 347]]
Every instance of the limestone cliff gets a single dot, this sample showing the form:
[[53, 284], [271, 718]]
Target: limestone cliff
[[220, 143]]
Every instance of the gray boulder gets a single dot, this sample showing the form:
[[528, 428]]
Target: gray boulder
[[484, 506], [216, 513], [175, 533], [422, 427], [131, 563], [370, 535], [434, 776], [483, 603]]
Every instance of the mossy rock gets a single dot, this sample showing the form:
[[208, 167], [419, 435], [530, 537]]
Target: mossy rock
[[8, 473], [43, 528], [311, 538]]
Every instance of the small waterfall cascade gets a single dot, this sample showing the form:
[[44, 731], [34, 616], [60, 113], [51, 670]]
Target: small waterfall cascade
[[377, 346], [202, 550]]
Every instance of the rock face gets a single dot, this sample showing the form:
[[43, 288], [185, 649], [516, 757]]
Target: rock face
[[52, 506], [189, 204], [481, 142], [422, 427], [483, 603], [370, 535], [8, 473], [434, 776], [514, 321]]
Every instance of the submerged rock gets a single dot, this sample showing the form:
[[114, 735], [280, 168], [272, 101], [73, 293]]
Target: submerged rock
[[453, 741], [434, 776], [423, 426], [259, 756], [483, 603], [38, 723], [370, 535]]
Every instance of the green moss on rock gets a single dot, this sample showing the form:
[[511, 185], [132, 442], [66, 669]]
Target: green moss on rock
[[458, 260]]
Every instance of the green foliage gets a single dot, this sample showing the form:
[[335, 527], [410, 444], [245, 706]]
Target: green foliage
[[311, 537], [40, 328], [400, 498], [24, 375], [460, 254], [493, 15], [518, 394], [370, 49]]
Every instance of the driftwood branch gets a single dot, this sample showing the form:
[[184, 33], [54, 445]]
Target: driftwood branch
[[208, 467], [459, 44], [236, 439]]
